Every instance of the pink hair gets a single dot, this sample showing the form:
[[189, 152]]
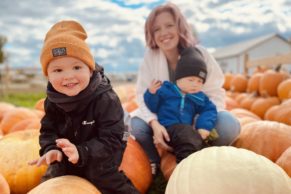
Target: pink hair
[[184, 29]]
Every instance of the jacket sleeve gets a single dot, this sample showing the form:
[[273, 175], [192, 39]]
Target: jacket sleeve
[[111, 129], [207, 116], [152, 101], [214, 81], [48, 134], [144, 78]]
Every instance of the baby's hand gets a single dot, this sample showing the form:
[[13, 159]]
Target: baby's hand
[[204, 133], [69, 149], [155, 85], [48, 158]]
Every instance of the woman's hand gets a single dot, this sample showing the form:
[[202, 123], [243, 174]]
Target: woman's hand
[[160, 135], [69, 149], [203, 133], [155, 85], [48, 158]]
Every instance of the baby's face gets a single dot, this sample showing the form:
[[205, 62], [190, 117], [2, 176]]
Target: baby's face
[[190, 84], [68, 75]]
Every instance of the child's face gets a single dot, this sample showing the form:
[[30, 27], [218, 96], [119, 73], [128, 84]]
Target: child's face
[[68, 75], [190, 84]]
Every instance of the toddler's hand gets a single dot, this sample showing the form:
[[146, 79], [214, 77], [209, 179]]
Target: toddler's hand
[[155, 85], [204, 133], [48, 158], [69, 149]]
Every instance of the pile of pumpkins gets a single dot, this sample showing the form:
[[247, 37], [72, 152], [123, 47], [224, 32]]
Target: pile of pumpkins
[[263, 93], [264, 145], [19, 132]]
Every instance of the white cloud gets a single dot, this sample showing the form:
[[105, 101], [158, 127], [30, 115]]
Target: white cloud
[[116, 28]]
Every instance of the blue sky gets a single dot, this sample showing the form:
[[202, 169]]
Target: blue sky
[[115, 28]]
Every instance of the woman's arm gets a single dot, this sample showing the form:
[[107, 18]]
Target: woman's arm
[[144, 79], [214, 81]]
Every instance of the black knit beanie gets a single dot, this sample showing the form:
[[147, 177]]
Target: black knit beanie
[[191, 63]]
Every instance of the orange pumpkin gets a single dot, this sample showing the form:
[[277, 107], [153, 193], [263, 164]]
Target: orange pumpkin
[[65, 185], [130, 106], [15, 115], [39, 105], [136, 166], [168, 162], [241, 113], [16, 150], [270, 81], [4, 187], [230, 103], [248, 101], [227, 80], [239, 83], [272, 112], [267, 138], [261, 105], [284, 89], [30, 123], [284, 115], [285, 161], [245, 120], [240, 97], [253, 83], [5, 107]]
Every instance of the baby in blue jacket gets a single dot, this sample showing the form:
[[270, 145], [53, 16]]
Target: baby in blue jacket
[[182, 108]]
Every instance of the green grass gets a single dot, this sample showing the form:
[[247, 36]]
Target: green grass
[[22, 99], [28, 100]]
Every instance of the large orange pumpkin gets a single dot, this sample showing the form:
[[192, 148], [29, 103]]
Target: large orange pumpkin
[[136, 166], [267, 138], [284, 89], [65, 185], [16, 150], [15, 115], [4, 187], [285, 161]]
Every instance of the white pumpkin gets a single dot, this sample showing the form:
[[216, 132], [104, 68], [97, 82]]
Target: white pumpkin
[[228, 170]]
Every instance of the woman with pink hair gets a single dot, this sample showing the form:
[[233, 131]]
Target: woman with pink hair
[[167, 33]]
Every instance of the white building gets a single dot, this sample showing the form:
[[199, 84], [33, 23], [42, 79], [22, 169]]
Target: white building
[[233, 58]]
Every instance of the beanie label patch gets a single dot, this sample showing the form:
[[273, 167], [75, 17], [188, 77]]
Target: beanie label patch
[[202, 74], [62, 51]]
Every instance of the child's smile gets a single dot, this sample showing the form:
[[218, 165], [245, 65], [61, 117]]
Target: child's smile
[[69, 75]]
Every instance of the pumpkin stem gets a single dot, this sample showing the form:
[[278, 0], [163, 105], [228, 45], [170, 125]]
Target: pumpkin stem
[[278, 67]]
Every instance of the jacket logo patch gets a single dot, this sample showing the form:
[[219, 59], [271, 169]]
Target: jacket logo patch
[[88, 122], [62, 51]]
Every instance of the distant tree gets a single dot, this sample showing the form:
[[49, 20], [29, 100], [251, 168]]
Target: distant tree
[[3, 41]]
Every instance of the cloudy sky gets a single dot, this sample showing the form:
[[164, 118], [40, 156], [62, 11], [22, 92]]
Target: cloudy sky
[[115, 27]]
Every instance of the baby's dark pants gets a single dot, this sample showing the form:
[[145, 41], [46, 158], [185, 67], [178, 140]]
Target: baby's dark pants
[[184, 140]]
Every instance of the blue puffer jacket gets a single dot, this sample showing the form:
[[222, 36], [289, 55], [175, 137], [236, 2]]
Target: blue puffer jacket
[[172, 107]]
